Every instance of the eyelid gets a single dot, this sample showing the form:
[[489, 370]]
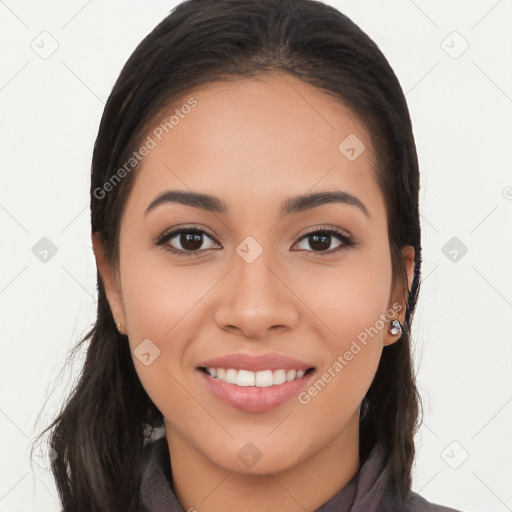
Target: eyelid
[[322, 227], [177, 229]]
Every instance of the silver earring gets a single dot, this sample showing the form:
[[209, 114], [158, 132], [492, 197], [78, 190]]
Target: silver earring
[[118, 325], [395, 327]]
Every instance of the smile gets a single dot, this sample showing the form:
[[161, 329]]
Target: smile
[[254, 391]]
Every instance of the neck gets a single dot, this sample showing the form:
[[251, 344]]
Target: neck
[[201, 484]]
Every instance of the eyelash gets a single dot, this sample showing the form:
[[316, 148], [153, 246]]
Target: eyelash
[[347, 241]]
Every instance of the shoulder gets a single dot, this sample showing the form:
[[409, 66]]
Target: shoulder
[[417, 503]]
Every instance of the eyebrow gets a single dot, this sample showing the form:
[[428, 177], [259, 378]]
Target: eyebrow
[[294, 204]]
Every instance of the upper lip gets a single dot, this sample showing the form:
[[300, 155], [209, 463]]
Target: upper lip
[[269, 361]]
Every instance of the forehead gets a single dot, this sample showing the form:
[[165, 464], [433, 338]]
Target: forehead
[[267, 137]]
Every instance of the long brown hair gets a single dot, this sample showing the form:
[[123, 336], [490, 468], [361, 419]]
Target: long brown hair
[[108, 417]]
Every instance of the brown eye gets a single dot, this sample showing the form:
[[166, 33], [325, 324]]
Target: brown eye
[[190, 241], [320, 241], [187, 241]]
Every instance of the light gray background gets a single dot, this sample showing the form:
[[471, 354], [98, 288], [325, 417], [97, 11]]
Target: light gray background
[[461, 107]]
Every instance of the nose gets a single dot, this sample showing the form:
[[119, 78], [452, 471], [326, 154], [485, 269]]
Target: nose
[[256, 299]]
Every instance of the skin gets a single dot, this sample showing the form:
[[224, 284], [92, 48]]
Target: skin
[[254, 143]]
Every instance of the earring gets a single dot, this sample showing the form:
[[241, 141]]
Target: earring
[[395, 327], [118, 325]]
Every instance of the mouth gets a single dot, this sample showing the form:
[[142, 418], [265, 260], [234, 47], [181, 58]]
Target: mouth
[[257, 391]]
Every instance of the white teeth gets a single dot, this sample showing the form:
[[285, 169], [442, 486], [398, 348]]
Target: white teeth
[[264, 378], [279, 377], [231, 376], [290, 375], [245, 378], [261, 379]]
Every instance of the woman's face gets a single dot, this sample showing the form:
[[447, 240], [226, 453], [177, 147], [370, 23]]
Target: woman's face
[[249, 281]]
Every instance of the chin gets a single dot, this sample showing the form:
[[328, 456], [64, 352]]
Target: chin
[[256, 458]]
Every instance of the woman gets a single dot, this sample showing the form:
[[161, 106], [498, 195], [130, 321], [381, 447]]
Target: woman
[[254, 208]]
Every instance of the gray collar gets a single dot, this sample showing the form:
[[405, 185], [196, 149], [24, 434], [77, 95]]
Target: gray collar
[[366, 492]]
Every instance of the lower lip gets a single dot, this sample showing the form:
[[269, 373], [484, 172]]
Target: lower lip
[[254, 398]]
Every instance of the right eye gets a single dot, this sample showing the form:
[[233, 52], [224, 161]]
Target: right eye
[[188, 240]]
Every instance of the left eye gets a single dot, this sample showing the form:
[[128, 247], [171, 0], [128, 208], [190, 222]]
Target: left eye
[[320, 241]]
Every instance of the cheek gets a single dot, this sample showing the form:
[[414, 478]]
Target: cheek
[[159, 297], [161, 305], [350, 300]]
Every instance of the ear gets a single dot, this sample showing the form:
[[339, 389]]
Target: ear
[[408, 255], [110, 281]]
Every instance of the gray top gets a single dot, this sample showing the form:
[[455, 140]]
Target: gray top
[[366, 492]]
